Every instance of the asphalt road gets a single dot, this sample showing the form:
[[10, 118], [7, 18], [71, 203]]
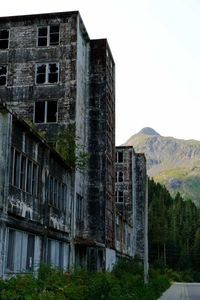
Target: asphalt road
[[182, 291]]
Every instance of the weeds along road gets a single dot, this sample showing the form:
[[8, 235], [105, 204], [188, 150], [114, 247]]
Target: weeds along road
[[182, 291]]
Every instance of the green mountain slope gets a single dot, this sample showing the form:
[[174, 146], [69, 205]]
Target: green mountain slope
[[173, 162]]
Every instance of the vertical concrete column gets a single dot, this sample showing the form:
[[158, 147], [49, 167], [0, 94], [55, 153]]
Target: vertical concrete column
[[5, 147]]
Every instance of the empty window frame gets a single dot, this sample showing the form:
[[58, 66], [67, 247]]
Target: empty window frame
[[48, 36], [24, 172], [119, 157], [3, 75], [20, 251], [119, 196], [47, 73], [46, 112], [4, 38]]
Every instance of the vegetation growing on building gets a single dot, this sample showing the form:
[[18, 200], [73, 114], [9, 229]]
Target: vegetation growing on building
[[69, 147]]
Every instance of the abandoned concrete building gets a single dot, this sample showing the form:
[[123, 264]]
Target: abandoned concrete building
[[130, 194], [52, 75]]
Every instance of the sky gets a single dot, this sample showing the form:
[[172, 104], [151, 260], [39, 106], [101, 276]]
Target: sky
[[156, 48]]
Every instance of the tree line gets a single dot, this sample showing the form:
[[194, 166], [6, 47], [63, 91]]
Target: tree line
[[174, 230]]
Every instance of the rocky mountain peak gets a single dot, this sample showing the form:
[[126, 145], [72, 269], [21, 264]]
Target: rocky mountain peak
[[148, 131]]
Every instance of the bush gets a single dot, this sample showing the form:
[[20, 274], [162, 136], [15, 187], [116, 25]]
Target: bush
[[123, 283]]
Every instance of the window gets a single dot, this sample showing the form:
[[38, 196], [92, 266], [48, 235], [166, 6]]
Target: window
[[79, 207], [47, 73], [4, 38], [20, 252], [119, 157], [3, 75], [55, 253], [48, 36], [24, 172], [119, 176], [119, 195], [57, 193], [46, 112]]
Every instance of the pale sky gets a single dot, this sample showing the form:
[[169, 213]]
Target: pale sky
[[156, 48]]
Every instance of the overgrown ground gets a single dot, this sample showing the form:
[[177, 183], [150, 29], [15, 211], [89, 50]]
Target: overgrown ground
[[123, 283]]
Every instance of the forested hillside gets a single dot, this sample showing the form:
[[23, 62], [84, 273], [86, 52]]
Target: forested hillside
[[174, 230]]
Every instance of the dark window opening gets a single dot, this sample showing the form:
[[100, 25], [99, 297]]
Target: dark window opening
[[51, 112], [53, 73], [120, 196], [47, 73], [42, 36], [45, 112], [39, 112], [30, 252], [120, 157], [120, 177], [4, 38], [3, 72], [41, 74], [54, 35], [48, 36]]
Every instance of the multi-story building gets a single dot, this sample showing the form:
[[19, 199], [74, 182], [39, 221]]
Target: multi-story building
[[131, 200], [53, 75], [36, 200]]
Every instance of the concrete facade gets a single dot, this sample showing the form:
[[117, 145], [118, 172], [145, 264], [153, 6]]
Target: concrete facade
[[130, 197], [53, 75], [36, 188]]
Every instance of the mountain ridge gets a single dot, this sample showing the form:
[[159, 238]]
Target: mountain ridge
[[170, 161]]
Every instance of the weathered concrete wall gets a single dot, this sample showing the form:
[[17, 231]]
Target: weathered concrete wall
[[31, 213], [85, 95], [101, 144], [131, 182], [21, 58]]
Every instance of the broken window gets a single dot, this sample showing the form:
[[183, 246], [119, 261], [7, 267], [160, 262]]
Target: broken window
[[4, 38], [47, 73], [45, 112], [3, 75], [20, 251], [48, 35]]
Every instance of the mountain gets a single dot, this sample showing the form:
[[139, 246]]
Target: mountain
[[170, 161]]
